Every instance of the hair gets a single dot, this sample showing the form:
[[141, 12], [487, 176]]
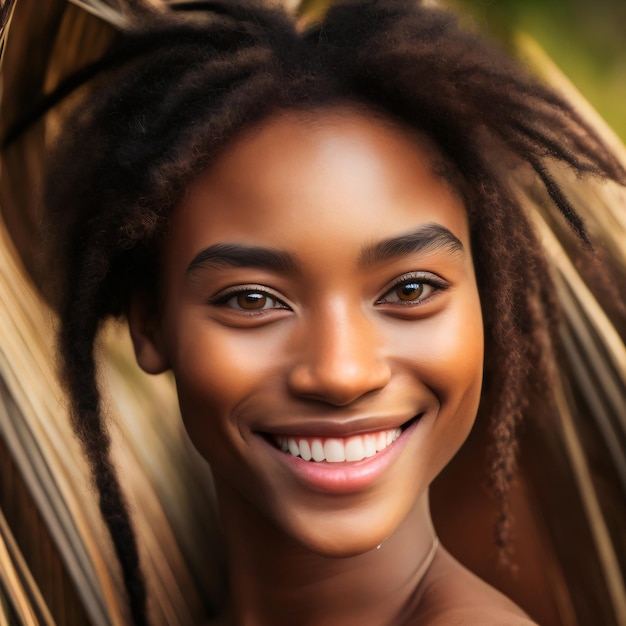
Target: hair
[[178, 85]]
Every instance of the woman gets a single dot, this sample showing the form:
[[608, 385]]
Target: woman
[[314, 231]]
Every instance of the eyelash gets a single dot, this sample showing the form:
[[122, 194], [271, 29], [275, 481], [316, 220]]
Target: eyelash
[[418, 278], [222, 299]]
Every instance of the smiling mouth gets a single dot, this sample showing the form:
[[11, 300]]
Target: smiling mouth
[[339, 449]]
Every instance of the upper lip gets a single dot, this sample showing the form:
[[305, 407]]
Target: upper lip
[[328, 427]]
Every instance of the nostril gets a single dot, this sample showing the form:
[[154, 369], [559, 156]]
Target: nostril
[[338, 385]]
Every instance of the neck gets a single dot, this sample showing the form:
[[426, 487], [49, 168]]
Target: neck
[[275, 581]]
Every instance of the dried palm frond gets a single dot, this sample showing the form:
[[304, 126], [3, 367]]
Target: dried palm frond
[[42, 451], [22, 592], [576, 467], [46, 44], [592, 396]]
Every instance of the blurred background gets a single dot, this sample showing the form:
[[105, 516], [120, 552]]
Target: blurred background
[[569, 499], [586, 39]]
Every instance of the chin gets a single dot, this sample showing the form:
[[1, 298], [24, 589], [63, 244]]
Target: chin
[[341, 546], [343, 534]]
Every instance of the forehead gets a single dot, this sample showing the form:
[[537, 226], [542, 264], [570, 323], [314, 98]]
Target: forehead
[[335, 176]]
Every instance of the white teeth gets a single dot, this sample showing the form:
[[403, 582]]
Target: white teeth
[[369, 445], [305, 450], [293, 447], [317, 450], [354, 449], [336, 449]]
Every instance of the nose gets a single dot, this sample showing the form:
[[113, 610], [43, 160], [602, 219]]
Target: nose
[[339, 359]]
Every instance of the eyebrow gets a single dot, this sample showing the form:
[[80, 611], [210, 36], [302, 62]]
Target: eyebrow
[[428, 238], [239, 255]]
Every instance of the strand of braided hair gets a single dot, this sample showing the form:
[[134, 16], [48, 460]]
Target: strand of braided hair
[[183, 84]]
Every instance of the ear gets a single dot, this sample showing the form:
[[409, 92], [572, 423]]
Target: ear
[[146, 334]]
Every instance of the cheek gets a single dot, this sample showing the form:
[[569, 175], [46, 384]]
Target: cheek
[[218, 371], [446, 351], [456, 354], [445, 355], [456, 378]]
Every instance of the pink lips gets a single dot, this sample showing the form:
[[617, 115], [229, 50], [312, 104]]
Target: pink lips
[[348, 476]]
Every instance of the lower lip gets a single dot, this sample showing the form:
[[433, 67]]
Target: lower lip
[[346, 477]]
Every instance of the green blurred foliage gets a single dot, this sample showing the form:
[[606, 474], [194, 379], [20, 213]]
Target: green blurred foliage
[[587, 40]]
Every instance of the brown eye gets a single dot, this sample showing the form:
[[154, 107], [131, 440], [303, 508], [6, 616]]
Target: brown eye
[[248, 300], [409, 291], [413, 290], [252, 300]]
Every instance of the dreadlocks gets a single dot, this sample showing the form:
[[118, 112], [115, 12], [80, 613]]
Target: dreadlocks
[[183, 84]]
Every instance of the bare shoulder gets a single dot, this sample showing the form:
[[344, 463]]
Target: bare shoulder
[[450, 595], [475, 617]]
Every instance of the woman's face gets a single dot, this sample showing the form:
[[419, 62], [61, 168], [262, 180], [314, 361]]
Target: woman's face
[[319, 296]]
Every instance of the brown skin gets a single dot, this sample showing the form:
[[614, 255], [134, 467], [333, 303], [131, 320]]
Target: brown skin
[[341, 344]]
